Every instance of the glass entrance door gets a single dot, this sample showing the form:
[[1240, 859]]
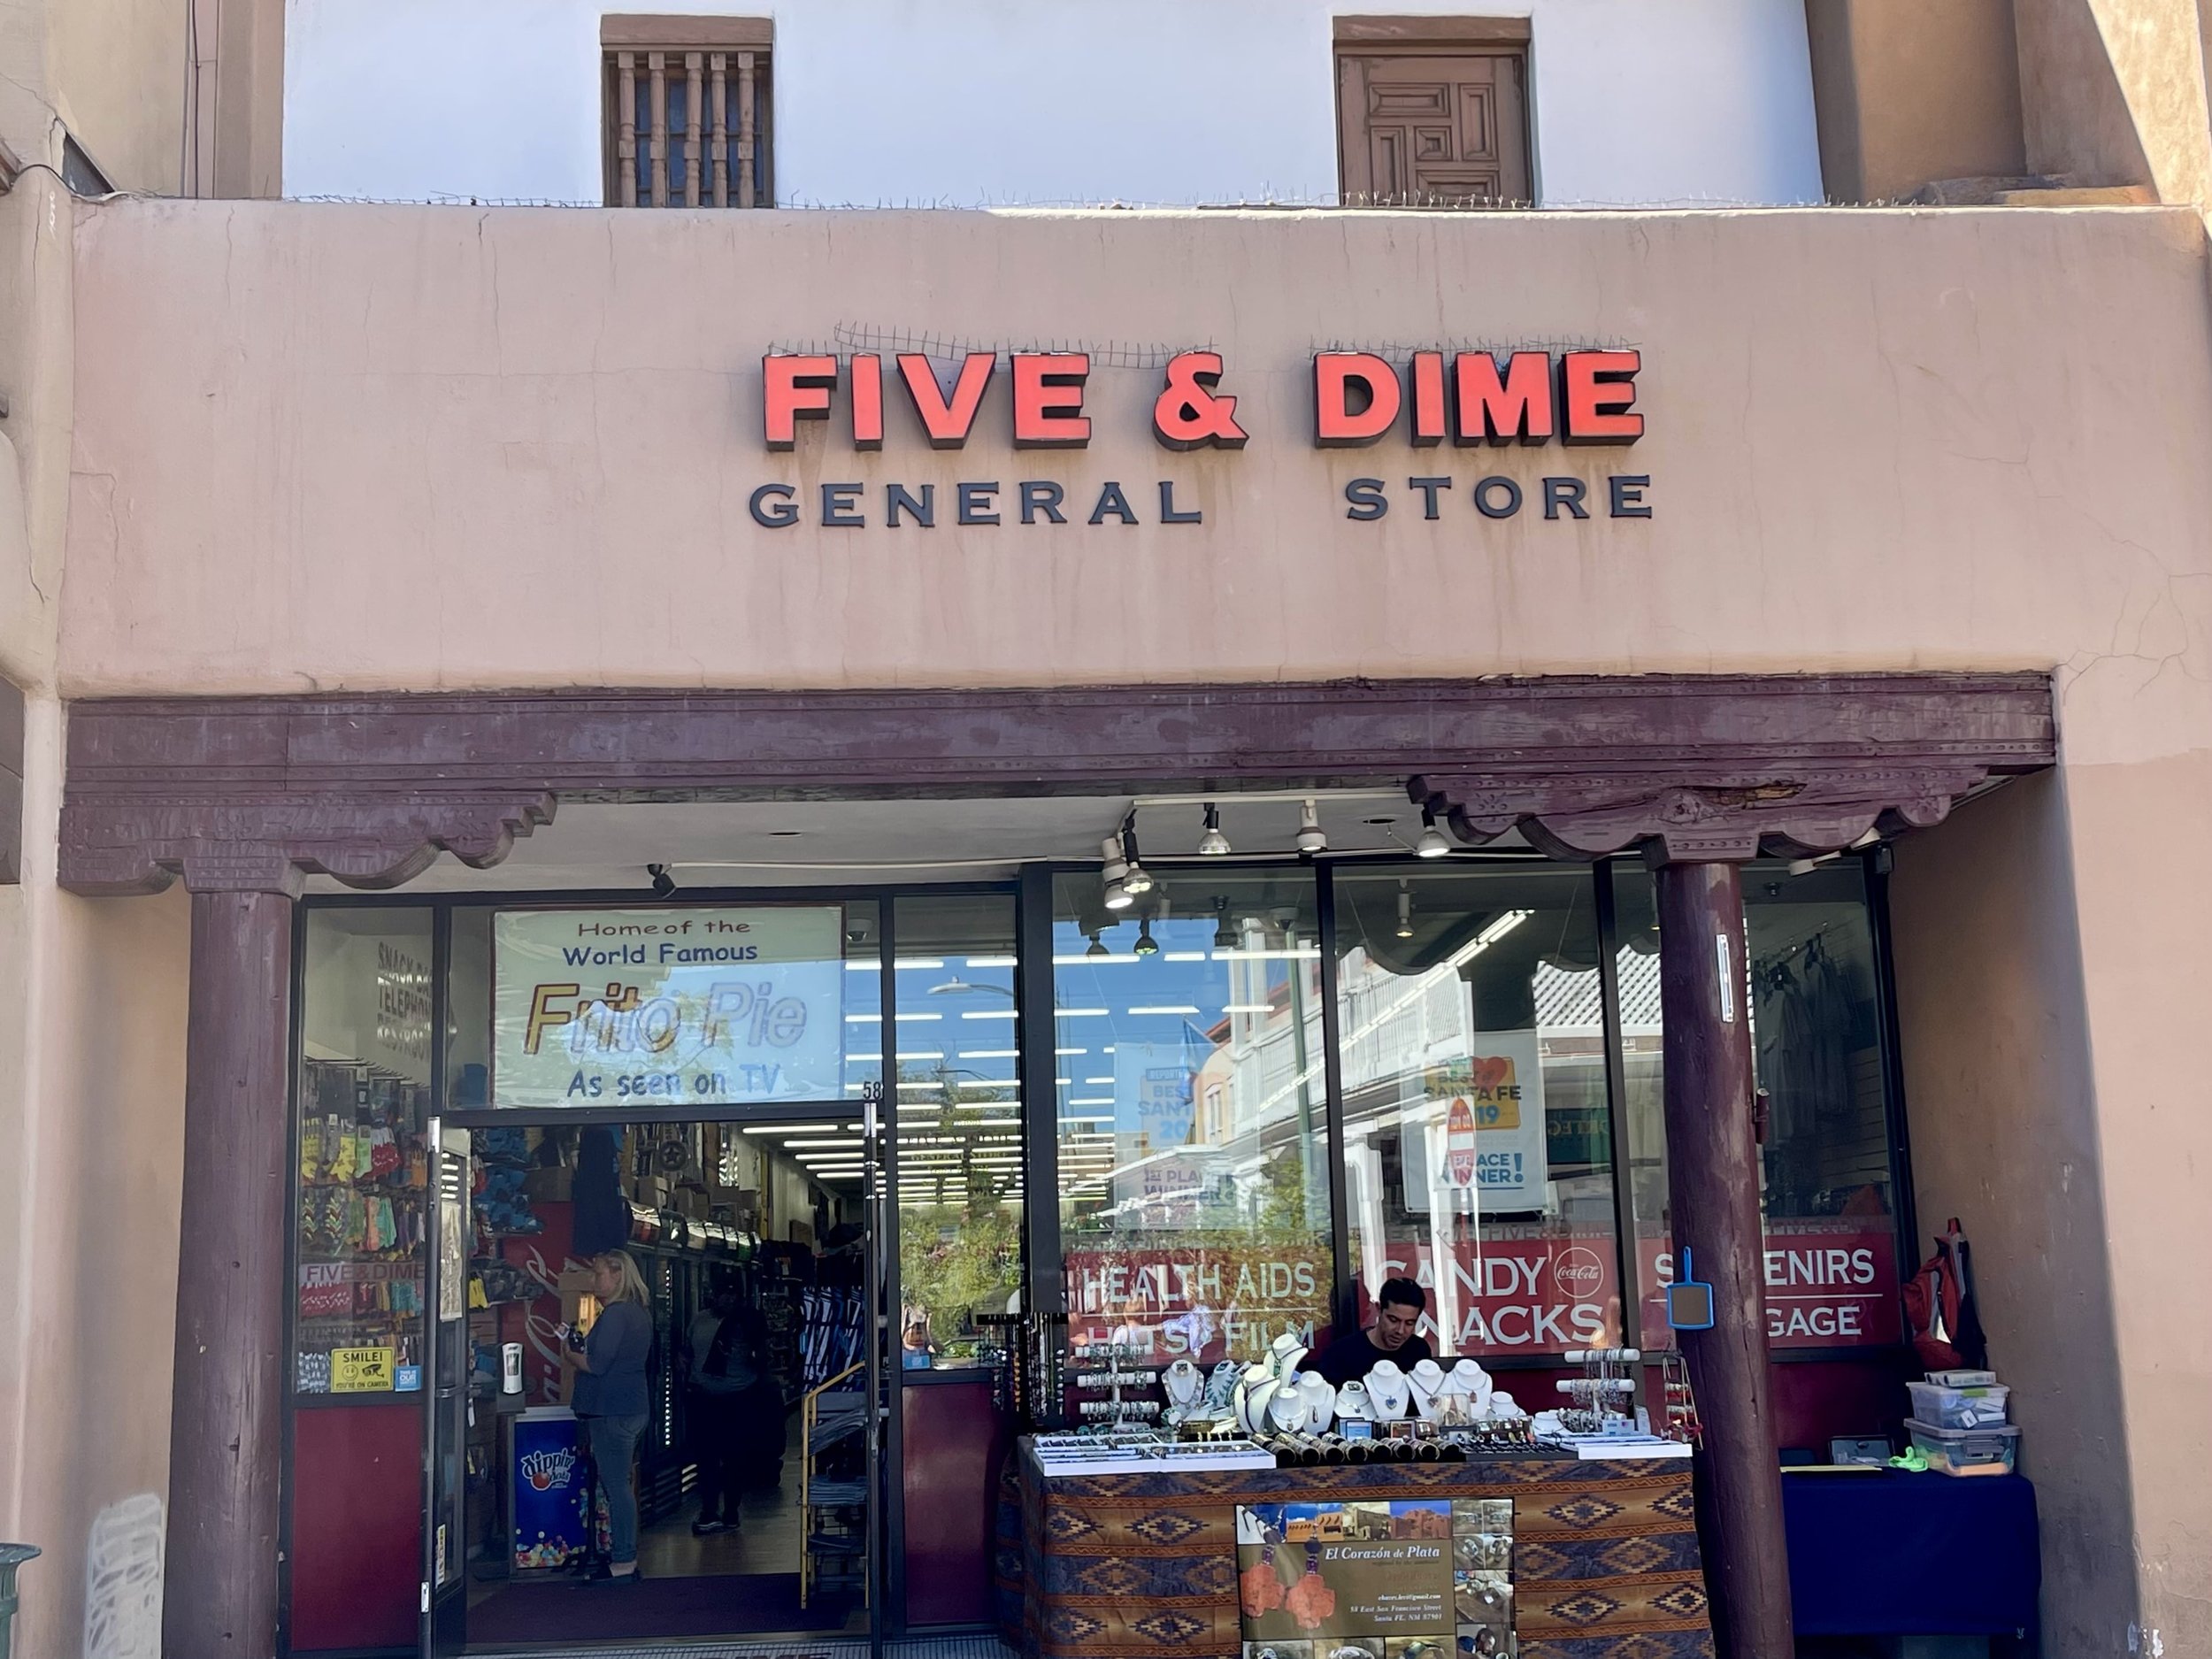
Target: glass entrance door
[[701, 1464], [446, 1423]]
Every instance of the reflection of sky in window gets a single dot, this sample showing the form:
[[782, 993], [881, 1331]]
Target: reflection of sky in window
[[1220, 1016], [957, 1055]]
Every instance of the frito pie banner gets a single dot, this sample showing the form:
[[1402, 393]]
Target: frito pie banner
[[1831, 1287], [698, 1005]]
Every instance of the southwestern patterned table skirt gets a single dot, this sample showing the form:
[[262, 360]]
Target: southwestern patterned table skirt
[[1605, 1558]]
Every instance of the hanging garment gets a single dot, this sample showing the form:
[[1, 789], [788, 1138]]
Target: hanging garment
[[602, 1218]]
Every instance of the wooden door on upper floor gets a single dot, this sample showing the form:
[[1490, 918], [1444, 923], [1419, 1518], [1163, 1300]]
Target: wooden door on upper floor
[[1443, 129]]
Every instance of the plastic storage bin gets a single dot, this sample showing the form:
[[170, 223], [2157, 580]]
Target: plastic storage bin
[[1974, 1407], [1988, 1450]]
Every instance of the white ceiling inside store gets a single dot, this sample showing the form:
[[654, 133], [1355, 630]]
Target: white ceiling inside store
[[606, 845]]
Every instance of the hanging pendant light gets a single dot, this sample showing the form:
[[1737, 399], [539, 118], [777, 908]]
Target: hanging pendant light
[[1213, 843], [1432, 843]]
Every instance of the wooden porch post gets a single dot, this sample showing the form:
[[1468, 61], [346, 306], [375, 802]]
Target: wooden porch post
[[226, 1419], [1713, 1184]]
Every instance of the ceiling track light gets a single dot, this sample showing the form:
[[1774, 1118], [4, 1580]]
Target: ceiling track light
[[1311, 837], [1224, 935], [1118, 897], [1405, 910], [1098, 946], [1432, 843], [1136, 879], [1213, 843], [1146, 946], [663, 884]]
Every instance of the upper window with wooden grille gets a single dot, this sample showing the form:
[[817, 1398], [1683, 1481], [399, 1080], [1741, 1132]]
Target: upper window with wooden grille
[[688, 112], [1432, 113]]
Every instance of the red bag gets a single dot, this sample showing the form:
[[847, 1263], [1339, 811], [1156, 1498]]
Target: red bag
[[1931, 1310]]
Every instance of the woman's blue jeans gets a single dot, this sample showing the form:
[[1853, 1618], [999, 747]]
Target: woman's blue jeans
[[614, 1451]]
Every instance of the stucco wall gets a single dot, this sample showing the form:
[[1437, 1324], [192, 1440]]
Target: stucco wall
[[1908, 92], [325, 445], [2113, 92], [92, 1004], [1993, 1028], [893, 102], [118, 70]]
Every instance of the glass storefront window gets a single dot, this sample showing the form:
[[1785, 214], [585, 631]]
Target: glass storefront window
[[959, 1120], [1193, 1146], [1816, 1043], [363, 1167], [1478, 1152]]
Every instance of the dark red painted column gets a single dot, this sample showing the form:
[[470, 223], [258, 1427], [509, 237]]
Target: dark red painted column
[[1713, 1186], [225, 1417]]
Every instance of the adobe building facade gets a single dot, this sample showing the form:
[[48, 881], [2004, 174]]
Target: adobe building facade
[[323, 449]]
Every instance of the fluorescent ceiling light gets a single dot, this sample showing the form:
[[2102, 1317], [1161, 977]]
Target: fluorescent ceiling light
[[1182, 955], [916, 962], [990, 1054], [1095, 1080], [1248, 1008], [1094, 1100], [1165, 1008], [1082, 1013], [980, 1013], [994, 962]]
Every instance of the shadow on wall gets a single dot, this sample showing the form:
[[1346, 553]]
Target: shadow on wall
[[1994, 1034], [2105, 100]]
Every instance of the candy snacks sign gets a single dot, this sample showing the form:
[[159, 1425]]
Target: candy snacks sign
[[685, 1005], [1471, 400]]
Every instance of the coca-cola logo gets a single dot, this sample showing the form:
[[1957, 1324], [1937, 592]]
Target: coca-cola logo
[[1578, 1273]]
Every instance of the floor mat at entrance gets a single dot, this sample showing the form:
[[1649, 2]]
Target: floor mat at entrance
[[725, 1605]]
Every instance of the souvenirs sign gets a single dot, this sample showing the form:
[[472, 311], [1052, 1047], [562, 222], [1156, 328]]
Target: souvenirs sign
[[687, 1004]]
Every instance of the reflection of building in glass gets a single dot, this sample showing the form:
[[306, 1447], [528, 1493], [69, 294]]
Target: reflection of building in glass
[[1194, 1137]]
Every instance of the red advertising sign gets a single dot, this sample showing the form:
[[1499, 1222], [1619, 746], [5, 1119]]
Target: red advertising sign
[[1208, 1302], [1830, 1284], [1459, 1144]]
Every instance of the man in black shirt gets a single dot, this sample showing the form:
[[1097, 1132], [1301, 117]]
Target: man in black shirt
[[1398, 1309]]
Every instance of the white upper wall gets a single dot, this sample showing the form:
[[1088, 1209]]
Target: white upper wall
[[1635, 103]]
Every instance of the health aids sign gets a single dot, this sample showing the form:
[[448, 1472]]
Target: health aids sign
[[1468, 400], [694, 1005]]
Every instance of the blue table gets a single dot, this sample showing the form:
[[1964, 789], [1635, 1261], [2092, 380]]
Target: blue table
[[1897, 1553]]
